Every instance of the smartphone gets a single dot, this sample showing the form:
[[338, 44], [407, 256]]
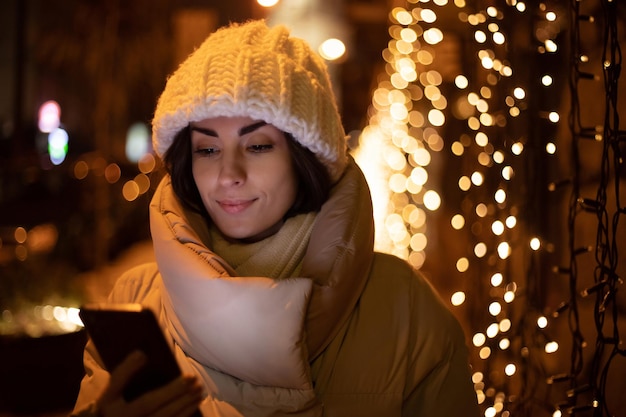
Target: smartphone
[[119, 329]]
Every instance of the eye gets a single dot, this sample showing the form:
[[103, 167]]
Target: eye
[[261, 148], [206, 151]]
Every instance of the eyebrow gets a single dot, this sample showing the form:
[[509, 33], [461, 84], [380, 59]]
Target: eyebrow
[[243, 131]]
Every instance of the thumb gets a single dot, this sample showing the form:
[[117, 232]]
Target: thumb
[[124, 372]]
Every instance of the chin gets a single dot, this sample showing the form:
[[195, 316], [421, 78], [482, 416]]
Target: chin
[[255, 236]]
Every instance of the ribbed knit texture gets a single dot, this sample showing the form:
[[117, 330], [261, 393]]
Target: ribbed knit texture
[[255, 71], [278, 256]]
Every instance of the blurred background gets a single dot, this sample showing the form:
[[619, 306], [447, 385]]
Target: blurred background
[[488, 132]]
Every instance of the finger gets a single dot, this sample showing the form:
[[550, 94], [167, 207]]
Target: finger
[[124, 372], [182, 391], [182, 406]]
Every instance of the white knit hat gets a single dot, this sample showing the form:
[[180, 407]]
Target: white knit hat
[[255, 71]]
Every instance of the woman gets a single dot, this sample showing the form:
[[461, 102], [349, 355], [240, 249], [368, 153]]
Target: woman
[[266, 283]]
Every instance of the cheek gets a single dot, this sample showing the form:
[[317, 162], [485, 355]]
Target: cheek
[[201, 176]]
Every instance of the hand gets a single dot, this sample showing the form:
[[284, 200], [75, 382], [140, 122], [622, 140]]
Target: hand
[[180, 397]]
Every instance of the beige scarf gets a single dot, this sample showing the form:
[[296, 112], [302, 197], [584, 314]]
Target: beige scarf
[[278, 256]]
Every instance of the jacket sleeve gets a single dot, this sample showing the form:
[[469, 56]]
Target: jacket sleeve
[[93, 384], [438, 379]]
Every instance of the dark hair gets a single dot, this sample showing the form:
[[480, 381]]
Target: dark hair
[[313, 179]]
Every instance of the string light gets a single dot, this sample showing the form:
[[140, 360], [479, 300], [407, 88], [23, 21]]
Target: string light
[[413, 104]]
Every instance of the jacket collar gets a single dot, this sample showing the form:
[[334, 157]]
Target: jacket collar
[[262, 330]]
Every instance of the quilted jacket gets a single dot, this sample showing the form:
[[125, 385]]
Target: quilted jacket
[[358, 333]]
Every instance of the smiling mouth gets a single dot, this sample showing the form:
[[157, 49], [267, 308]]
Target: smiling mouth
[[234, 207]]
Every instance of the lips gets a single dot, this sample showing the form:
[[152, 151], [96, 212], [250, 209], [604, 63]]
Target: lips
[[235, 206]]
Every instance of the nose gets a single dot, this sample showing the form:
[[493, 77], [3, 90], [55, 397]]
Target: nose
[[233, 170]]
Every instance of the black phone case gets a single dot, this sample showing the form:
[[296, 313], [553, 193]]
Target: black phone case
[[118, 330]]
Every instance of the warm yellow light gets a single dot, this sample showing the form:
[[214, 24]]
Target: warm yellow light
[[397, 183], [457, 298], [487, 62], [332, 49], [419, 175], [505, 325], [517, 148], [511, 221], [432, 200], [497, 227], [504, 250], [546, 80], [507, 172], [550, 45], [433, 36], [535, 243], [554, 117], [130, 191], [551, 148], [484, 353], [492, 330], [519, 93], [462, 264], [480, 36], [395, 159], [495, 308], [551, 347], [398, 81], [481, 209], [481, 139], [143, 182], [480, 250], [267, 3], [457, 148], [428, 15], [457, 221], [473, 123], [477, 377], [436, 117], [510, 369], [479, 339], [20, 234], [408, 35], [418, 242], [496, 279], [504, 343], [112, 173], [484, 159], [398, 111], [493, 27], [542, 322], [465, 183], [421, 156], [500, 196], [461, 81], [147, 163], [477, 178], [402, 16], [498, 38]]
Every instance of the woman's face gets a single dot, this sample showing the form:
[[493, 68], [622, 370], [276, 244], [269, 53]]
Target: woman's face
[[243, 170]]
